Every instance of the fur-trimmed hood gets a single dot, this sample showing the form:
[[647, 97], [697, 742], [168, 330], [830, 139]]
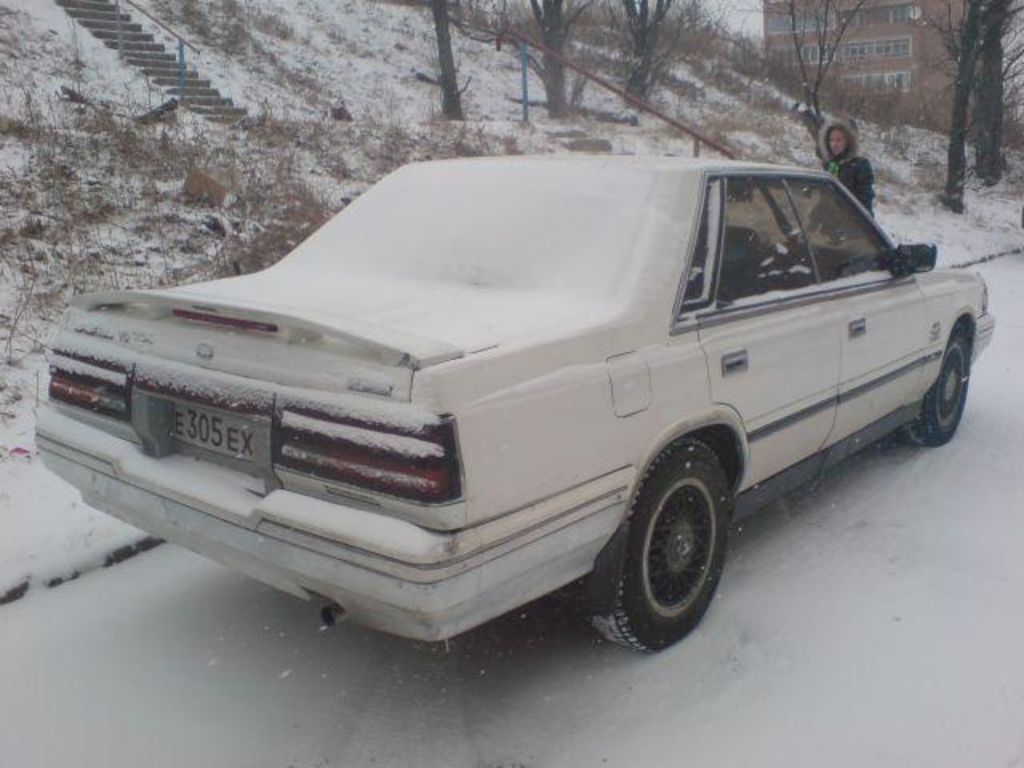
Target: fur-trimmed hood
[[848, 128]]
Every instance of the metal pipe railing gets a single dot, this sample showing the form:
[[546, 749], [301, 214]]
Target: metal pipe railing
[[698, 136]]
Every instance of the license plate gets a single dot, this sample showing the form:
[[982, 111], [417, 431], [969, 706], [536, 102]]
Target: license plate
[[218, 432]]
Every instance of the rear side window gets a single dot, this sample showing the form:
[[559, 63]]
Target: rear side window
[[763, 248], [843, 242], [698, 277]]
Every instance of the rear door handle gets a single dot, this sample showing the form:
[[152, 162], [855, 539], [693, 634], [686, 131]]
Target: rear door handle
[[858, 327], [734, 362]]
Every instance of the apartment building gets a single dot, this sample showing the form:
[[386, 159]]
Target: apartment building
[[886, 46]]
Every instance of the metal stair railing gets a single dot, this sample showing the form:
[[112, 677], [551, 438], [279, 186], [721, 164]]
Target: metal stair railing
[[179, 38], [699, 137]]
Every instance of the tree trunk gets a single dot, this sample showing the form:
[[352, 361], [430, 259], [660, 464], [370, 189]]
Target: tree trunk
[[554, 30], [451, 99], [956, 161], [644, 23], [554, 87], [640, 80], [988, 102]]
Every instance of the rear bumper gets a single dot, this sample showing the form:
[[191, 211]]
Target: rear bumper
[[386, 573]]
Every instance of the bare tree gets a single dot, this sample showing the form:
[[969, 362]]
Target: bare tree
[[989, 100], [451, 96], [963, 41], [817, 29], [1013, 77], [1013, 66], [555, 20], [644, 20]]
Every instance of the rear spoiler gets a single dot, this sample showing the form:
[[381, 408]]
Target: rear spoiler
[[405, 349]]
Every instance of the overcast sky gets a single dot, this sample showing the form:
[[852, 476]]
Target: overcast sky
[[740, 15]]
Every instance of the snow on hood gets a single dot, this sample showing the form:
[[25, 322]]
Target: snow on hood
[[473, 253]]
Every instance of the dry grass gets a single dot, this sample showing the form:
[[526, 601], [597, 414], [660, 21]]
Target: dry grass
[[14, 128], [98, 205], [930, 176], [270, 24]]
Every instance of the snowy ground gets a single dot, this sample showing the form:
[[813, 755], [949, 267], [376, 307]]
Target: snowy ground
[[870, 620]]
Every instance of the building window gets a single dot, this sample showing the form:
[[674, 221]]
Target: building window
[[786, 54], [808, 21], [875, 49], [880, 81], [890, 14], [817, 21], [902, 14]]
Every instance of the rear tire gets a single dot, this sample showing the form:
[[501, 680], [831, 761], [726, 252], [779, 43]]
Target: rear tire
[[675, 550], [943, 404]]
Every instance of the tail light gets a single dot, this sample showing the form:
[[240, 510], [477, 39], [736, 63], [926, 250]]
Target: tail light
[[418, 464], [92, 384]]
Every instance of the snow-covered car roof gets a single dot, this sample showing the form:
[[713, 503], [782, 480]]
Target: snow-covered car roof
[[565, 163], [477, 252]]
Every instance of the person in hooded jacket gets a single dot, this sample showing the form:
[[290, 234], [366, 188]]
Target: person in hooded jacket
[[838, 144]]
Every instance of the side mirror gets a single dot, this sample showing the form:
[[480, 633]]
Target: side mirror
[[908, 259]]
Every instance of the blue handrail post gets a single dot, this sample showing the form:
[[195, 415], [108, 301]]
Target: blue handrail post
[[524, 58], [120, 30], [181, 71]]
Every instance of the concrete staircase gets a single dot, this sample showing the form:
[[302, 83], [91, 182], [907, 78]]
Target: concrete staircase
[[140, 50]]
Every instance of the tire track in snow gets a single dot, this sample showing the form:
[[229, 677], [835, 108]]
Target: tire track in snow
[[111, 558], [985, 259]]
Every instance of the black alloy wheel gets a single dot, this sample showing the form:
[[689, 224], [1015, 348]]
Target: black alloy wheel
[[675, 549], [678, 547], [943, 405]]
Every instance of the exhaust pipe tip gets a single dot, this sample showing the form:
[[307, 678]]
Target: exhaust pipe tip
[[332, 614]]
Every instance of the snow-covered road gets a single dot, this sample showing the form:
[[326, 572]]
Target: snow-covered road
[[873, 620]]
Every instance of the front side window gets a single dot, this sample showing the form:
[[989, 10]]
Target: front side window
[[763, 247], [843, 242]]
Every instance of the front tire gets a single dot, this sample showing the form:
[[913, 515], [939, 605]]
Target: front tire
[[675, 550], [943, 404]]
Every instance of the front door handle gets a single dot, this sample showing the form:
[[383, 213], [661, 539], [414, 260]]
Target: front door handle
[[734, 362], [858, 327]]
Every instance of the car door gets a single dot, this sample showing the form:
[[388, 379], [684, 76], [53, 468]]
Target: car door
[[771, 348], [882, 324]]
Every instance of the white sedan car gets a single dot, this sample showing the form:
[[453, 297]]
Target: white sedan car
[[486, 379]]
